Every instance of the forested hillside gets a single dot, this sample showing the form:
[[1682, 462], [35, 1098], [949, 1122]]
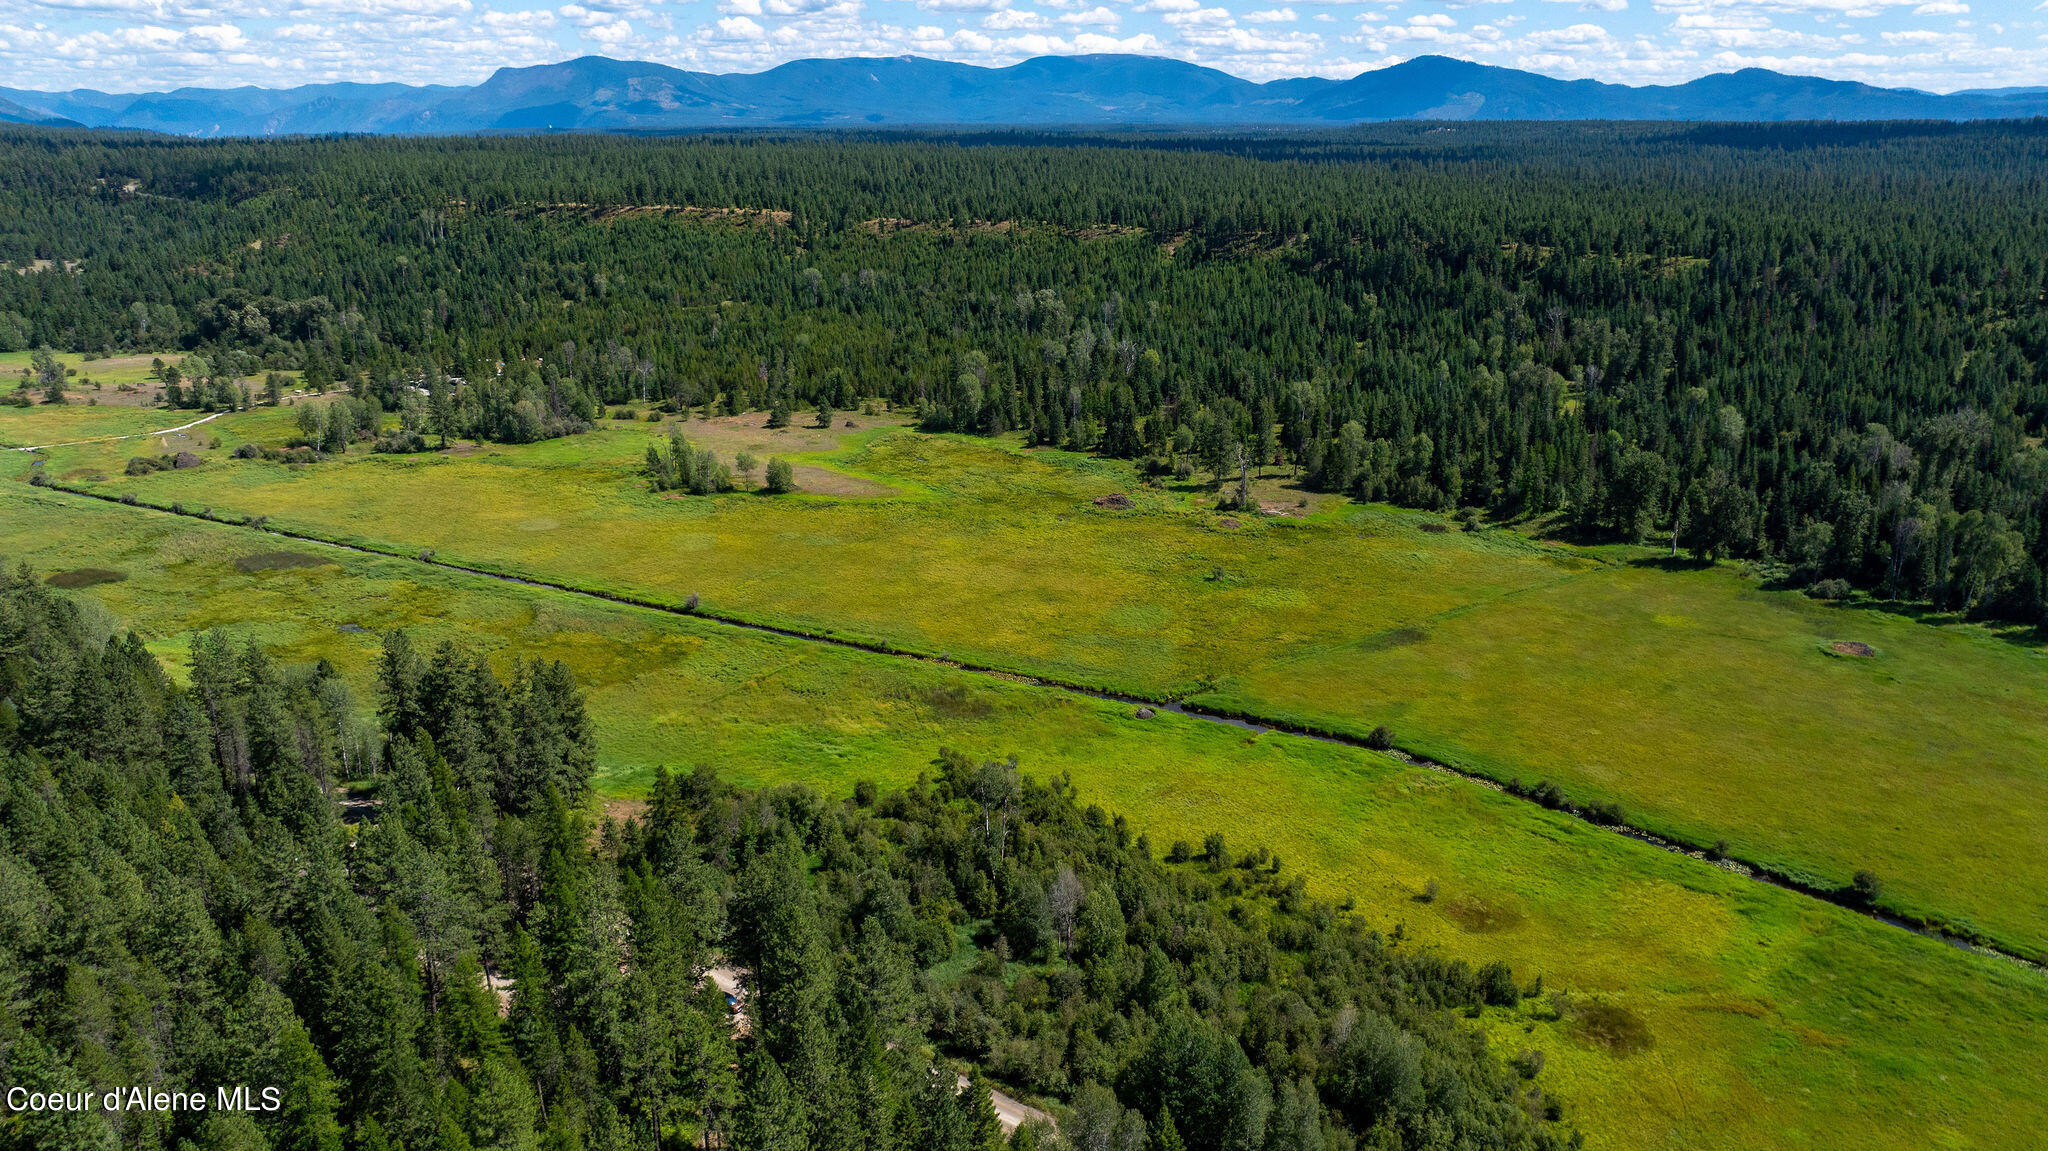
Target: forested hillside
[[1816, 345], [466, 960]]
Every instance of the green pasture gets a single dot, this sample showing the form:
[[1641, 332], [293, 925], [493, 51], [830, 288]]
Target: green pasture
[[99, 419], [61, 423], [1706, 707], [1774, 1020], [110, 372]]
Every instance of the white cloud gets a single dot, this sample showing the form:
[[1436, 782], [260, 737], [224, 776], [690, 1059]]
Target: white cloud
[[1923, 36], [1009, 19], [1097, 16], [1272, 16], [740, 28], [1942, 8], [1245, 42], [1818, 9]]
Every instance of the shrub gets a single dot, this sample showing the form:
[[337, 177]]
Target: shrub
[[400, 442], [1180, 852], [1604, 812], [1496, 985], [781, 477], [1548, 794], [1215, 851], [248, 452], [1865, 888], [690, 604], [1380, 739], [1830, 589]]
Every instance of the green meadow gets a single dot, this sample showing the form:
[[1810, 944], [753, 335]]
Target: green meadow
[[78, 420], [108, 399], [110, 372], [1705, 706], [1772, 1020]]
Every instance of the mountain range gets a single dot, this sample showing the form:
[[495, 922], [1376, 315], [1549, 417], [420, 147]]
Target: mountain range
[[596, 93]]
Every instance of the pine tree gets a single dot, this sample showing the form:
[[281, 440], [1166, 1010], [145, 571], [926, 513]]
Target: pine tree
[[1164, 1135], [769, 1118], [984, 1129]]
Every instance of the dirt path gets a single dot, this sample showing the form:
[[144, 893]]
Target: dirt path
[[129, 436], [727, 980], [1009, 1112], [1256, 724]]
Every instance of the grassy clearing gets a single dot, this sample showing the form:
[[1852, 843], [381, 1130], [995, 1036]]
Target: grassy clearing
[[107, 397], [110, 372], [1771, 1020], [1703, 706]]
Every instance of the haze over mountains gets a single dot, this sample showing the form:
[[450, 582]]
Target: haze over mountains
[[597, 93]]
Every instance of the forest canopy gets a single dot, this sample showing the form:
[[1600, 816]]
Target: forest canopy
[[452, 954], [1817, 345]]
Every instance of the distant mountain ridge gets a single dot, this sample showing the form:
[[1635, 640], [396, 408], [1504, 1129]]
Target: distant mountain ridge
[[595, 93]]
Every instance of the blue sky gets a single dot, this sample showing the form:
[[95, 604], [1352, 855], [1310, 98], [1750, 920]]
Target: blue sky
[[133, 45]]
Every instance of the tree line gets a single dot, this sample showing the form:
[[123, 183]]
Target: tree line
[[1813, 345]]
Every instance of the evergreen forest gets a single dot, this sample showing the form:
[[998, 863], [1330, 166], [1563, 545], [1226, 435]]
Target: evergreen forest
[[453, 955], [1816, 347]]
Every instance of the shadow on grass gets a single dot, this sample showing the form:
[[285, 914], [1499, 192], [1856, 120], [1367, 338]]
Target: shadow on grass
[[1672, 563], [2017, 633], [2024, 635]]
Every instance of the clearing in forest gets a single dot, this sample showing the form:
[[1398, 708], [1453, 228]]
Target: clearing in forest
[[1707, 708]]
